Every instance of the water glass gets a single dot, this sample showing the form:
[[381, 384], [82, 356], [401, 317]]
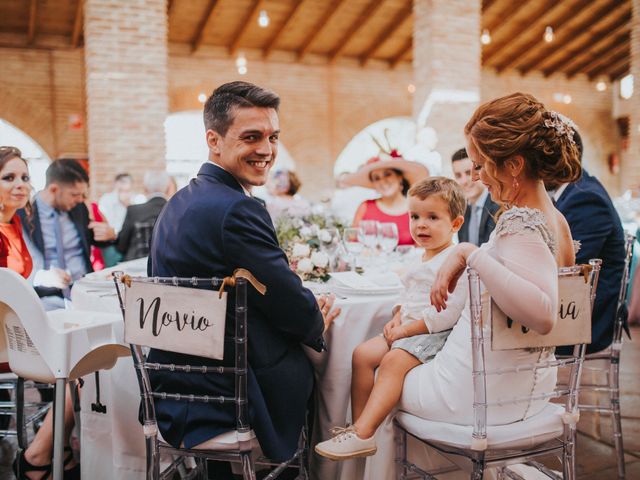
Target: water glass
[[369, 235], [388, 236], [351, 240]]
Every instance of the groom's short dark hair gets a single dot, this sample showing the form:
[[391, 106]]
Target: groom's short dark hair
[[219, 107]]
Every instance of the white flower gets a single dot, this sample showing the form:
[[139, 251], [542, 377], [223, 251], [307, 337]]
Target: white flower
[[320, 259], [324, 236], [304, 266], [300, 250], [305, 232]]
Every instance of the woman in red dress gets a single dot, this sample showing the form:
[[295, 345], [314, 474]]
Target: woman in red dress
[[14, 195], [391, 176]]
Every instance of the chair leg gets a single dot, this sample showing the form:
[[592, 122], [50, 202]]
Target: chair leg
[[58, 428], [614, 396], [21, 428], [401, 453], [248, 470], [303, 446], [478, 470], [569, 457], [153, 456]]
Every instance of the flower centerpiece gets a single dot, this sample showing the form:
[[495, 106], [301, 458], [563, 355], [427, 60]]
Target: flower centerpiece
[[309, 242]]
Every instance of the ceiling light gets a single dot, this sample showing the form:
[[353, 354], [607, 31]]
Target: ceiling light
[[626, 87], [241, 60], [202, 97], [485, 38], [242, 70], [566, 98], [411, 88], [263, 19], [548, 34], [601, 85]]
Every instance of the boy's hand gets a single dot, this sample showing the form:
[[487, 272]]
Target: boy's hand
[[396, 333], [394, 322]]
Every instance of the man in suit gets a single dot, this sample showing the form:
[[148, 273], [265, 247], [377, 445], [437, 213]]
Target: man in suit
[[141, 217], [59, 232], [594, 222], [479, 216], [212, 227]]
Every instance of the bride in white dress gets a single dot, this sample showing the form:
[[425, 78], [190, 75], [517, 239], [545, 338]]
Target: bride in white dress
[[515, 144]]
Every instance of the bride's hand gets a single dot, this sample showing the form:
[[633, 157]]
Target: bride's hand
[[449, 273]]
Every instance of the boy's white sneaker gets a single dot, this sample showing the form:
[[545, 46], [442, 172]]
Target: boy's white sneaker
[[346, 444]]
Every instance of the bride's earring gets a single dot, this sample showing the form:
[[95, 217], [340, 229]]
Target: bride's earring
[[516, 184]]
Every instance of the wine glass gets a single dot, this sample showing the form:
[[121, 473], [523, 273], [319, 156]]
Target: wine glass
[[369, 235], [351, 239], [388, 236]]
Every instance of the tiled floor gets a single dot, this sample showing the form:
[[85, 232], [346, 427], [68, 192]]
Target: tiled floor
[[596, 455]]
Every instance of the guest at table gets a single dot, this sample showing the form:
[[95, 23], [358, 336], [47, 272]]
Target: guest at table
[[479, 215], [391, 176], [283, 186], [515, 144], [212, 227], [595, 224], [139, 220], [59, 233], [415, 333], [14, 195]]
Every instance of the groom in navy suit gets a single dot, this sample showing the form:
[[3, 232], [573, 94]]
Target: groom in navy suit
[[594, 222], [211, 228]]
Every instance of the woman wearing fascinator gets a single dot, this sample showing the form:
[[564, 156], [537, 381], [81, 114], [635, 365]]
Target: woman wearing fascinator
[[391, 176]]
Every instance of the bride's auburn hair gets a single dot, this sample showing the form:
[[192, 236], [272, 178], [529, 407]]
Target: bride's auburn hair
[[518, 124]]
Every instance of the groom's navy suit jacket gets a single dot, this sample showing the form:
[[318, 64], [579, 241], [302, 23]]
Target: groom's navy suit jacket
[[593, 221], [210, 228]]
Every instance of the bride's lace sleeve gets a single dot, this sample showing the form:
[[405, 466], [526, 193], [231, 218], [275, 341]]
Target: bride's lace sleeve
[[522, 280]]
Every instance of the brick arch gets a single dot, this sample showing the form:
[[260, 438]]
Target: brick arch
[[29, 117]]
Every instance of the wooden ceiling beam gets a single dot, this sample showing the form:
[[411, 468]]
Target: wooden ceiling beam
[[603, 55], [573, 60], [406, 48], [538, 44], [614, 63], [33, 14], [618, 74], [313, 34], [249, 20], [567, 37], [77, 24], [486, 4], [169, 7], [199, 35], [397, 21], [495, 48], [362, 19], [276, 36], [502, 19]]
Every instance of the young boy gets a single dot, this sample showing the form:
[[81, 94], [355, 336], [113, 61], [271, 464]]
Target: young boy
[[416, 332]]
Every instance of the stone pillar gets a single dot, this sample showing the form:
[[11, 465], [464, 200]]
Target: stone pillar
[[446, 62], [126, 85], [630, 163]]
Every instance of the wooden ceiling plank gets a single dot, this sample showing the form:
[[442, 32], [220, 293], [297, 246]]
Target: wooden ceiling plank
[[618, 74], [613, 64], [199, 35], [77, 24], [406, 48], [313, 34], [397, 21], [593, 46], [249, 20], [362, 19], [538, 44], [169, 8], [502, 19], [272, 42], [542, 12], [602, 55], [567, 37], [33, 13]]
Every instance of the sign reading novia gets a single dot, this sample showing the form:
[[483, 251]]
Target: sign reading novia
[[176, 319], [573, 324]]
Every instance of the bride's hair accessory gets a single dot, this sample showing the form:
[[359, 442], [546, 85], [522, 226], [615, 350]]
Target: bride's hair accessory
[[561, 124]]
